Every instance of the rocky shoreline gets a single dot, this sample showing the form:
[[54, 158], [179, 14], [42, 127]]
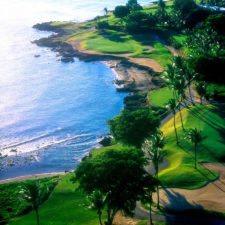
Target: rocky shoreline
[[130, 77]]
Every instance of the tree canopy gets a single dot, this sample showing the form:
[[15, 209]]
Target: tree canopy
[[139, 22], [133, 5], [121, 11], [119, 175], [132, 127], [184, 6]]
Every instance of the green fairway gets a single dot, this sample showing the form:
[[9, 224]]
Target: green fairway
[[160, 53], [181, 172], [114, 42], [66, 206], [160, 97]]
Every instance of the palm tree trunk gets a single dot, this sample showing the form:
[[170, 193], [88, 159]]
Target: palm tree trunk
[[183, 100], [157, 186], [174, 124], [175, 95], [181, 118], [195, 156], [111, 215], [100, 218], [37, 216], [189, 89], [150, 213]]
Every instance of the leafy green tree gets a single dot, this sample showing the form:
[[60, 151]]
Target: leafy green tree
[[121, 11], [133, 5], [176, 81], [132, 127], [170, 76], [119, 175], [153, 147], [172, 105], [32, 193], [140, 21], [199, 44], [217, 23], [184, 7], [195, 136], [161, 13], [4, 205], [97, 200]]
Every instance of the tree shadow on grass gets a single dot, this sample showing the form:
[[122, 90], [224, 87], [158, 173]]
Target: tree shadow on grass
[[178, 211], [203, 116], [213, 174], [115, 37]]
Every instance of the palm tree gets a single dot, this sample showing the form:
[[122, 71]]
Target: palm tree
[[153, 147], [161, 12], [195, 136], [170, 77], [98, 200], [32, 193], [106, 11], [201, 88], [172, 105], [190, 74], [147, 198], [180, 87]]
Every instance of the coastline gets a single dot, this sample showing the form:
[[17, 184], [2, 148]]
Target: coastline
[[129, 76], [132, 74], [31, 177]]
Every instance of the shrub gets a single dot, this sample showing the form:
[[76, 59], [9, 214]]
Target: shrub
[[217, 23], [133, 5], [121, 11], [139, 22], [197, 16], [102, 25]]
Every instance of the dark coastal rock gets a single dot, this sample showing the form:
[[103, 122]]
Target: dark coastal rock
[[47, 27], [67, 59], [124, 86], [106, 141]]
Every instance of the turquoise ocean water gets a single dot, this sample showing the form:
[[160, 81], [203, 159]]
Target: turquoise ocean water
[[51, 113]]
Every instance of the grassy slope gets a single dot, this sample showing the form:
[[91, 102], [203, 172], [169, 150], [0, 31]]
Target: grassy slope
[[181, 172], [66, 206], [114, 41], [160, 97]]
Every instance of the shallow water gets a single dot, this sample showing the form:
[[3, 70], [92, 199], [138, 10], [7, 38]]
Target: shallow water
[[51, 113]]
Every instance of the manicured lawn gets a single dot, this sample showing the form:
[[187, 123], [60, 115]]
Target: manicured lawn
[[114, 42], [66, 206], [160, 97], [181, 172], [119, 43]]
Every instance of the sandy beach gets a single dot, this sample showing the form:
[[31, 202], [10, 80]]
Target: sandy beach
[[31, 177]]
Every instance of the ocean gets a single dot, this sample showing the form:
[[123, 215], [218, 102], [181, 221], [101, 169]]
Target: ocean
[[51, 113]]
